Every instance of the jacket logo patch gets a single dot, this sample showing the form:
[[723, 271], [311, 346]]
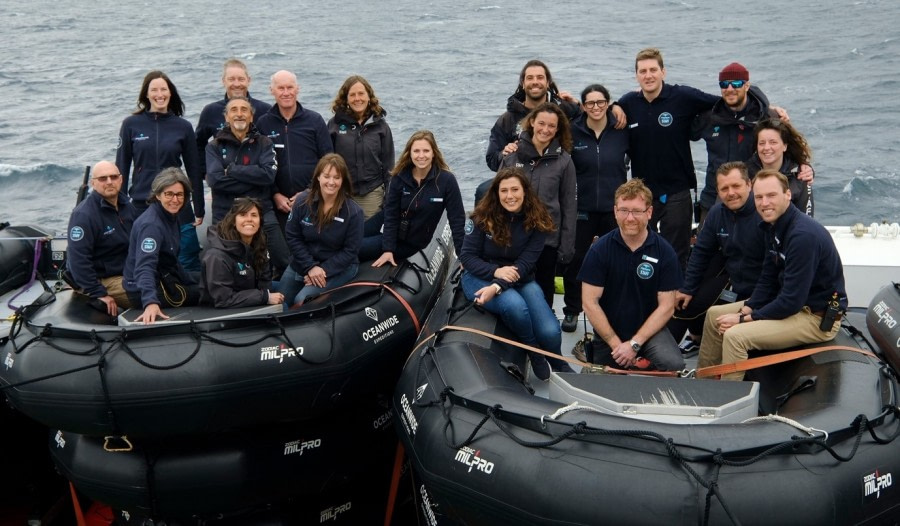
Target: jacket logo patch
[[470, 226], [76, 234], [665, 119], [148, 245]]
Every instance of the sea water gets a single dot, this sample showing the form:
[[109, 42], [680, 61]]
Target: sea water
[[71, 71]]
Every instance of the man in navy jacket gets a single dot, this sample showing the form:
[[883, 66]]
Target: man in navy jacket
[[800, 296], [98, 238]]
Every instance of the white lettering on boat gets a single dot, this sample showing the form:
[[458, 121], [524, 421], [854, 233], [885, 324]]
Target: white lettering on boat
[[373, 332], [436, 259], [8, 361], [875, 482], [333, 512], [408, 418], [278, 352], [60, 441], [427, 507], [383, 420], [472, 458], [884, 315], [297, 447]]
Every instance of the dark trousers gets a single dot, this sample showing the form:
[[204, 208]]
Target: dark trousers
[[545, 273], [674, 221], [589, 226]]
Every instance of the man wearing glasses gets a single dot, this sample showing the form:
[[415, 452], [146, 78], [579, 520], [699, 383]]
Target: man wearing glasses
[[98, 239], [629, 278]]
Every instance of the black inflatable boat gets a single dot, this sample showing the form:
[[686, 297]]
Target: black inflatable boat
[[810, 441], [73, 368]]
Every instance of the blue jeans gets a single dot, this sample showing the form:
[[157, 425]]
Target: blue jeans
[[523, 309], [291, 284]]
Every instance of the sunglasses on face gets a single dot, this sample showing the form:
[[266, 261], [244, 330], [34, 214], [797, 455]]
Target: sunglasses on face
[[736, 84], [104, 178]]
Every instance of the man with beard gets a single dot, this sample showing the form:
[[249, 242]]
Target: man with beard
[[300, 137], [726, 259], [628, 283], [241, 163], [236, 80], [99, 229], [535, 86], [800, 296]]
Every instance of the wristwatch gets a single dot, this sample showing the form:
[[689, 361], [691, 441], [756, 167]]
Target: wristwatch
[[635, 345]]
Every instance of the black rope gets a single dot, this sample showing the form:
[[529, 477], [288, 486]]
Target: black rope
[[194, 331], [48, 377], [300, 356], [107, 399]]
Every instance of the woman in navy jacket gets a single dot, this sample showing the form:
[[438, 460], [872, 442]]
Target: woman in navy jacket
[[779, 146], [236, 267], [504, 238], [361, 135], [324, 231], [155, 137], [420, 191]]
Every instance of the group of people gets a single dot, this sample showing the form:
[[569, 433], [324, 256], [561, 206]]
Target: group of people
[[301, 202], [294, 199]]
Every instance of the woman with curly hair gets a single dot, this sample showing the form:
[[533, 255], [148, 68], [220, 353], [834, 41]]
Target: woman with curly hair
[[504, 238], [542, 151], [236, 268], [361, 135], [779, 146]]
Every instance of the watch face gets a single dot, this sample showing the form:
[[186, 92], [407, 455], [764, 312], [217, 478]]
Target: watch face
[[635, 346]]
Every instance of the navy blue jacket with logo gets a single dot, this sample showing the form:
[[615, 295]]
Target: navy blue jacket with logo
[[630, 280], [228, 277], [482, 256], [212, 121], [299, 144], [660, 136], [367, 148], [740, 240], [240, 169], [153, 141], [508, 125], [802, 268], [729, 136], [153, 252], [334, 247], [600, 164], [98, 241], [423, 205]]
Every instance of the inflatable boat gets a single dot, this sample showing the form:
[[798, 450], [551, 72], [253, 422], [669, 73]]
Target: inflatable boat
[[807, 441], [72, 367], [323, 467]]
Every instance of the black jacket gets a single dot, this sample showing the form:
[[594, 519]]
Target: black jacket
[[240, 169], [228, 278], [368, 149]]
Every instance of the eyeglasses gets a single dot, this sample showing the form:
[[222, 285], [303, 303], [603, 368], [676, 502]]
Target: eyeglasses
[[736, 84], [595, 103], [637, 214], [173, 195], [104, 178]]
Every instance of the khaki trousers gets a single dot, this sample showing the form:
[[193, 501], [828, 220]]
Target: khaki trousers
[[371, 202], [114, 288], [762, 335]]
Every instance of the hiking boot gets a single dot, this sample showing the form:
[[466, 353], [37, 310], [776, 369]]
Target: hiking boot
[[569, 323]]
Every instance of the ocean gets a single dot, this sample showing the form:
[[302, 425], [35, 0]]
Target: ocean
[[71, 72]]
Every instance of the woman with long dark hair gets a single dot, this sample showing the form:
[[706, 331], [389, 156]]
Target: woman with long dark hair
[[779, 146], [324, 232], [543, 154], [236, 267], [156, 137], [505, 236]]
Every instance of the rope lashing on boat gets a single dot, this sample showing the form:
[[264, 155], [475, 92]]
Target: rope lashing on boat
[[128, 350], [409, 310], [98, 345], [568, 409], [811, 431]]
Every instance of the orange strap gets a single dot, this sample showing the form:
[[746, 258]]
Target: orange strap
[[771, 359], [406, 305], [395, 485], [76, 505]]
